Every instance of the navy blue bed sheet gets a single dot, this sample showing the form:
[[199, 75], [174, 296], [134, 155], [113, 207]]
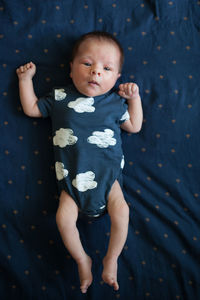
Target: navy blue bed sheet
[[160, 260]]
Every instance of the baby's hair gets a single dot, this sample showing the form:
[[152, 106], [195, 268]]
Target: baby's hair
[[99, 35]]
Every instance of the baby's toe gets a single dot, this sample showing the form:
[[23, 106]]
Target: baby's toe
[[84, 286], [115, 286]]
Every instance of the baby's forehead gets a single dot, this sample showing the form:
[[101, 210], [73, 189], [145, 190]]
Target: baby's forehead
[[92, 41]]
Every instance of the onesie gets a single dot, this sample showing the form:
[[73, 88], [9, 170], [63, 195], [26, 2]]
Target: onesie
[[87, 144]]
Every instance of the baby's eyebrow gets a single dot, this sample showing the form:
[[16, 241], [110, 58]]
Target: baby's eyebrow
[[86, 56], [107, 63], [110, 63]]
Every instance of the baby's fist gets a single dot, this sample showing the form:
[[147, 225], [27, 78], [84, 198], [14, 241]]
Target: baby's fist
[[26, 71], [129, 90]]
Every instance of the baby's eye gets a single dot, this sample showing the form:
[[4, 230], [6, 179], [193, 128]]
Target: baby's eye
[[107, 68], [87, 64]]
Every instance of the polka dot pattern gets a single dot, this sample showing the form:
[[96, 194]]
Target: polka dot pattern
[[161, 176]]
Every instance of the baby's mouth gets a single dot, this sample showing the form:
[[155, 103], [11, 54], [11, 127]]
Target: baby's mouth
[[93, 82]]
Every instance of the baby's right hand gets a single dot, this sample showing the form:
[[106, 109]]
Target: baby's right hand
[[27, 71]]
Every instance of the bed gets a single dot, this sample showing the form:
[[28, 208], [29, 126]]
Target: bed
[[161, 257]]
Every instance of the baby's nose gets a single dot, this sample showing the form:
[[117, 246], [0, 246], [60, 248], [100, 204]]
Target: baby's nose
[[95, 71]]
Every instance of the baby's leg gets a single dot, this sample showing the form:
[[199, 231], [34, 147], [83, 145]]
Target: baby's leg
[[66, 218], [119, 214]]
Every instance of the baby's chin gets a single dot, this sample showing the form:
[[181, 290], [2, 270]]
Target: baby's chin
[[91, 90], [90, 93]]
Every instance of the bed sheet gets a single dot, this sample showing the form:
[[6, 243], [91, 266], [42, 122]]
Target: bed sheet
[[160, 260]]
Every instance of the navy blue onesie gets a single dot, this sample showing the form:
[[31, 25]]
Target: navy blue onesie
[[87, 144]]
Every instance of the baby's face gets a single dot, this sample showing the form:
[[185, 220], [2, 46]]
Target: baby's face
[[95, 68]]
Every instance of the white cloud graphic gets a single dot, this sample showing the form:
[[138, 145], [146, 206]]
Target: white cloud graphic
[[64, 137], [84, 181], [82, 105], [60, 171], [60, 94], [125, 116], [103, 139]]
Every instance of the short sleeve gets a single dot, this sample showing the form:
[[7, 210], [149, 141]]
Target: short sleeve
[[124, 112], [45, 104]]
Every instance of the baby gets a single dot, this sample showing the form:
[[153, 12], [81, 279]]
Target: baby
[[87, 117]]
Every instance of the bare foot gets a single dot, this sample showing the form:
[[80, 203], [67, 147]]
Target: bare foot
[[85, 273], [109, 274]]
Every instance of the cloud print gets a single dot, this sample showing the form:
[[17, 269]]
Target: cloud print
[[103, 139], [64, 137], [60, 94], [84, 181], [125, 116], [82, 105], [60, 171]]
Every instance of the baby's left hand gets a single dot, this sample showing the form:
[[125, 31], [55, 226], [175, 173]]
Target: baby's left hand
[[129, 90]]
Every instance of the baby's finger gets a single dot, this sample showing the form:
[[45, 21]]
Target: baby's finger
[[121, 93], [21, 69], [135, 88], [130, 88], [121, 87], [30, 65]]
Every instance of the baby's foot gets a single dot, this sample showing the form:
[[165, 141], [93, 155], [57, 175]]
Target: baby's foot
[[109, 274], [85, 273]]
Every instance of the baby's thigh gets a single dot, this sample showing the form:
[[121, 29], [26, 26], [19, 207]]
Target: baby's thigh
[[67, 209], [116, 197]]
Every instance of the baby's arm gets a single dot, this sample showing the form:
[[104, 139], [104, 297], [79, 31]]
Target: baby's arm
[[26, 91], [130, 91]]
